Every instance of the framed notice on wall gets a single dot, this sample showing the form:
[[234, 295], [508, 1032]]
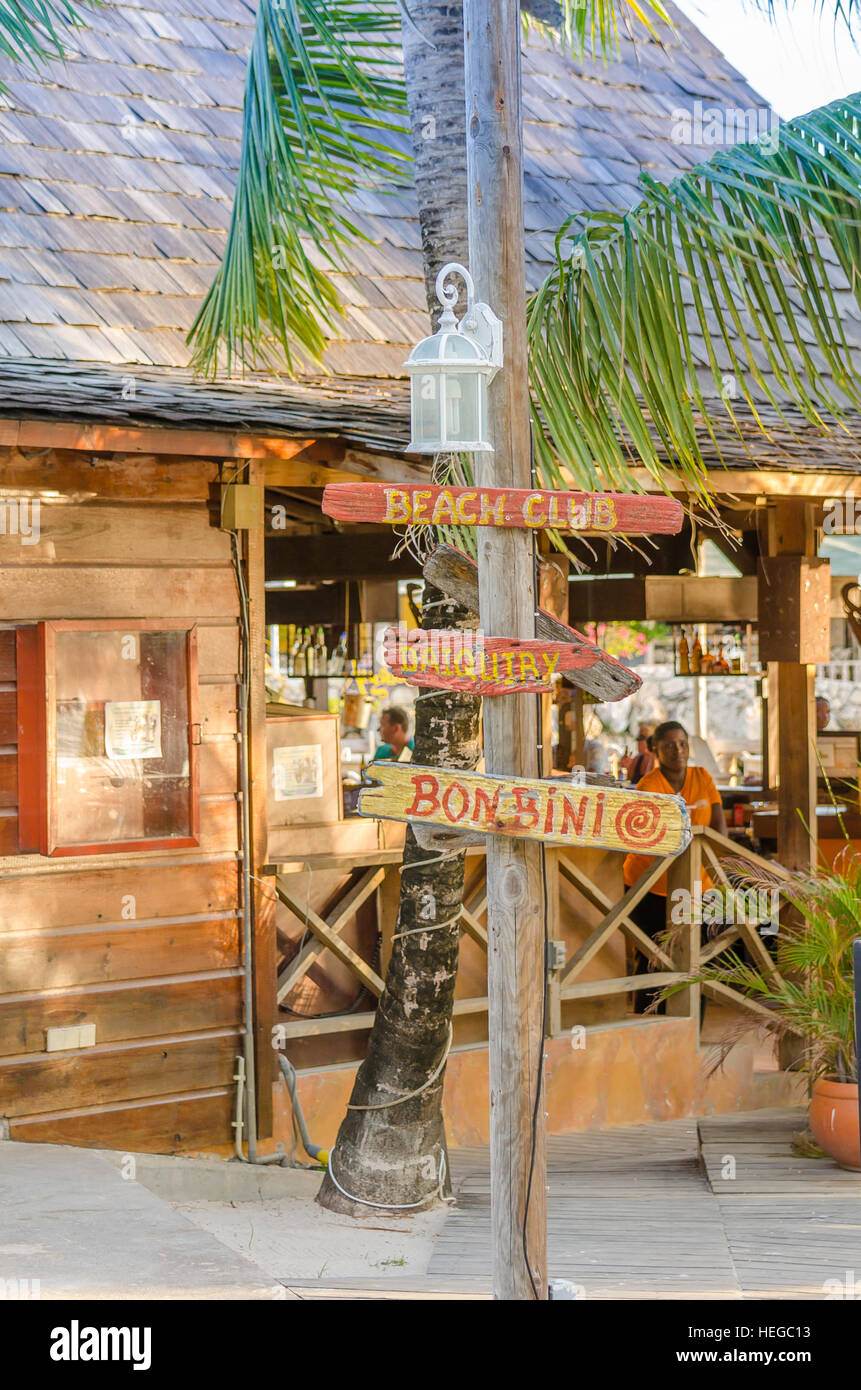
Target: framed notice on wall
[[108, 736], [304, 769]]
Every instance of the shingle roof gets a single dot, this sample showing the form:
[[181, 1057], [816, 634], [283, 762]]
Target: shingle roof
[[116, 179]]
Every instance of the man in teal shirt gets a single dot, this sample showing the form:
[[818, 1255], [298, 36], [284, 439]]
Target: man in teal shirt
[[394, 727]]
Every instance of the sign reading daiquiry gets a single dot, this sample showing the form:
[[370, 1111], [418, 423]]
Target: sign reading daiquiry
[[592, 513], [552, 811], [452, 659]]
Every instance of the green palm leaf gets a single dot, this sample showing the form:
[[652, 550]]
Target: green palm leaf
[[325, 115], [739, 253], [847, 10], [30, 30], [592, 26]]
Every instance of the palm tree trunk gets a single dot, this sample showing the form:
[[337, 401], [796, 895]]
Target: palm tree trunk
[[394, 1154]]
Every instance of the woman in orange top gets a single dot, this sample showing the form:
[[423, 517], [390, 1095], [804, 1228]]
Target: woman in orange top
[[672, 775]]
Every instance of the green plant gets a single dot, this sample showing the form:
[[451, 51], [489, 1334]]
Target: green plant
[[810, 992]]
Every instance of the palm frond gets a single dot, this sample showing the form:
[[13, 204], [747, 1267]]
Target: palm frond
[[845, 10], [591, 27], [812, 993], [324, 116], [740, 253], [31, 30]]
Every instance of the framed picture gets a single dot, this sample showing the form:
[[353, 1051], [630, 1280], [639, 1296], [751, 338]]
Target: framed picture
[[108, 736], [304, 769]]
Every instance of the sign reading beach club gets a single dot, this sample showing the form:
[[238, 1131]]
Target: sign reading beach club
[[593, 513], [451, 659], [554, 811]]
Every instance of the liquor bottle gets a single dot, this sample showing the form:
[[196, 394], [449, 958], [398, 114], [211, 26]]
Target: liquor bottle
[[321, 655], [736, 656], [339, 656], [300, 661], [706, 660], [293, 649], [366, 653], [310, 654], [697, 657], [684, 656], [721, 665]]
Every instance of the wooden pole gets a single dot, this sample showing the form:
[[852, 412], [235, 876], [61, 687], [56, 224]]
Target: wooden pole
[[507, 603]]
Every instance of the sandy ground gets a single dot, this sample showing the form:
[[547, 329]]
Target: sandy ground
[[294, 1239]]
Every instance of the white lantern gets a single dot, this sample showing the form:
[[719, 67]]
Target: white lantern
[[449, 373]]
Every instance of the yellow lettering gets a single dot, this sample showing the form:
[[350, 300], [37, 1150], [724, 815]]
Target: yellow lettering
[[419, 499], [397, 505], [529, 516], [604, 516], [578, 513], [527, 664], [467, 518], [551, 662], [445, 503], [554, 509], [492, 512]]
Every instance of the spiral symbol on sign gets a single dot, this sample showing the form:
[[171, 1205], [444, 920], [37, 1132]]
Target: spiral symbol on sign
[[639, 823]]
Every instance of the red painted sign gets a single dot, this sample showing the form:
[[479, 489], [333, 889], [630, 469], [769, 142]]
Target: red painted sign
[[589, 513], [452, 659]]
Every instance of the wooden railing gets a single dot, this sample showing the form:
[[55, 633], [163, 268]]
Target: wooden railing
[[378, 875]]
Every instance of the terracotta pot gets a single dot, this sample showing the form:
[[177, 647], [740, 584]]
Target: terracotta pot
[[834, 1121]]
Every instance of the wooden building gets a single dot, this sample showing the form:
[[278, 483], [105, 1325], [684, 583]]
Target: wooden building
[[116, 176]]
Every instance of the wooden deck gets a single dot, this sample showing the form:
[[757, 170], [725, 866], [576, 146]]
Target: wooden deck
[[659, 1212]]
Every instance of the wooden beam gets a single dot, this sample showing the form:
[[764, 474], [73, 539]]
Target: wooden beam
[[148, 439], [738, 483], [348, 556], [604, 930], [329, 938], [593, 989], [344, 909], [665, 598]]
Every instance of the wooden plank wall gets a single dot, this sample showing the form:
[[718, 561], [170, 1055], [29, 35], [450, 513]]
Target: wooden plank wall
[[145, 946]]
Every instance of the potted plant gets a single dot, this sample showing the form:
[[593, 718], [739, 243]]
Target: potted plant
[[810, 995]]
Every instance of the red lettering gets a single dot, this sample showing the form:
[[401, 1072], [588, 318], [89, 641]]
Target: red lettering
[[427, 789], [446, 801], [525, 808], [573, 816], [599, 815], [548, 817], [485, 804]]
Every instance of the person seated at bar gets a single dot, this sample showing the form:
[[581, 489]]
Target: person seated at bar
[[674, 775], [394, 739], [823, 713], [636, 765]]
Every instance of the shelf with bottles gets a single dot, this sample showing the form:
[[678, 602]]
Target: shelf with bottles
[[320, 651], [718, 650]]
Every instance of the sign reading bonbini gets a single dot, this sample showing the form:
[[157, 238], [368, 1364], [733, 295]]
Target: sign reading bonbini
[[452, 659], [592, 513], [553, 811]]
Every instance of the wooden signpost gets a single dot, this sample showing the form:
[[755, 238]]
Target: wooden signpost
[[588, 513], [446, 659], [552, 811]]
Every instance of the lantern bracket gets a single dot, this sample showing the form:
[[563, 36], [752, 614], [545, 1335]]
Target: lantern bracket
[[479, 322]]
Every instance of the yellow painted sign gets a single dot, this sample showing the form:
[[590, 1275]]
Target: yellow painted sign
[[554, 811]]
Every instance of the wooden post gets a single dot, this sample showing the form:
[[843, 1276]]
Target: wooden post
[[685, 872], [791, 705], [792, 531], [263, 962], [507, 603]]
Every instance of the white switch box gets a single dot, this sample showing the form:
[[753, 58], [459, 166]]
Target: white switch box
[[69, 1039]]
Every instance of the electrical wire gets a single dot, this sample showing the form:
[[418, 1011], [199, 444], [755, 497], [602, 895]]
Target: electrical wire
[[539, 1079]]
